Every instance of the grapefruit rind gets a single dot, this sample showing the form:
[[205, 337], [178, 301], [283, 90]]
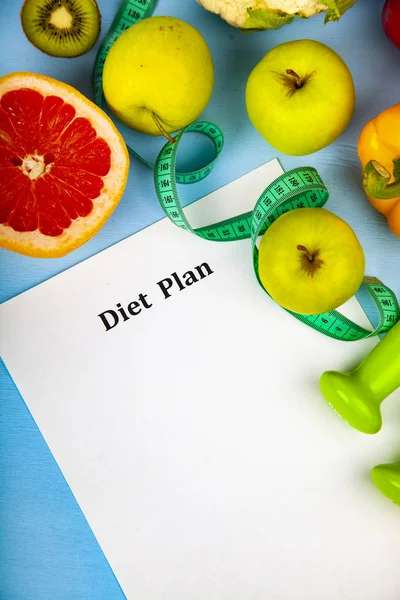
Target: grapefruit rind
[[82, 229]]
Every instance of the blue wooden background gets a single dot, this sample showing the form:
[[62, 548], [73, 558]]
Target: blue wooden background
[[47, 550]]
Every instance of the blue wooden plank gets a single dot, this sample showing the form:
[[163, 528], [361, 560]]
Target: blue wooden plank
[[47, 550]]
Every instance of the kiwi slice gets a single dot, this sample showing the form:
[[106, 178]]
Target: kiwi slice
[[64, 28]]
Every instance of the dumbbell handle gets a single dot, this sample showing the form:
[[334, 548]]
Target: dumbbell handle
[[380, 369], [357, 395]]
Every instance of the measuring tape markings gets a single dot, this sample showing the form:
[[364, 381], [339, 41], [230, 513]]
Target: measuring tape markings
[[129, 13], [298, 188]]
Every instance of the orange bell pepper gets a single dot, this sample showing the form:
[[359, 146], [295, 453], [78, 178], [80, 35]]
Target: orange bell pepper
[[379, 153]]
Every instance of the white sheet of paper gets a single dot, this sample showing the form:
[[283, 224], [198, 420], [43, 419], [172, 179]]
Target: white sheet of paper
[[194, 435]]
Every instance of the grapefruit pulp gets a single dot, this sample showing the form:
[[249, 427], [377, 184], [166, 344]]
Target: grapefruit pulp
[[63, 166]]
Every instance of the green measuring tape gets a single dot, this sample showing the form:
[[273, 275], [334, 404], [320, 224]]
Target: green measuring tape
[[129, 13], [298, 188], [295, 189]]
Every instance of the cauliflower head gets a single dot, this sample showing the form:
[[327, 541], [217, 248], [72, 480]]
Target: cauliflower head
[[272, 14]]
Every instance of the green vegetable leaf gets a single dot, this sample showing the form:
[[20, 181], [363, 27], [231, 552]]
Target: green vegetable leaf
[[337, 8], [264, 19], [260, 18]]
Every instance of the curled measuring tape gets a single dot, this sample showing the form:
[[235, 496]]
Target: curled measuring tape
[[295, 189], [129, 13]]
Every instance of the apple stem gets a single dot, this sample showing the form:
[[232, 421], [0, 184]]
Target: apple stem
[[376, 180], [297, 79], [306, 251], [161, 128]]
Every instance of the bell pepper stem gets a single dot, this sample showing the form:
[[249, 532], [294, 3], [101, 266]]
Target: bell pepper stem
[[396, 168], [376, 179]]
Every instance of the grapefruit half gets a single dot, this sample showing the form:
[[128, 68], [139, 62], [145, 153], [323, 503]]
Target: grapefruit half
[[63, 166]]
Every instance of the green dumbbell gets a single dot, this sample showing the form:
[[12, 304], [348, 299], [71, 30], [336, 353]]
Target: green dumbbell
[[357, 395], [387, 480]]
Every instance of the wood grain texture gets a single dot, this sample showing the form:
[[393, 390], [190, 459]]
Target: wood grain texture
[[47, 550]]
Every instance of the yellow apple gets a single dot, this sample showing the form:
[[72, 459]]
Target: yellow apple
[[310, 261], [158, 76], [300, 97]]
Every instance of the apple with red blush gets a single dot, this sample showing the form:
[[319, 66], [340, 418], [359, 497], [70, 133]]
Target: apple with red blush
[[391, 21]]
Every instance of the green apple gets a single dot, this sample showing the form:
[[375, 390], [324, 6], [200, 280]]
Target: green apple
[[300, 97], [158, 76], [310, 261]]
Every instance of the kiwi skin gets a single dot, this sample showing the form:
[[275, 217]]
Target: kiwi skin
[[62, 43]]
